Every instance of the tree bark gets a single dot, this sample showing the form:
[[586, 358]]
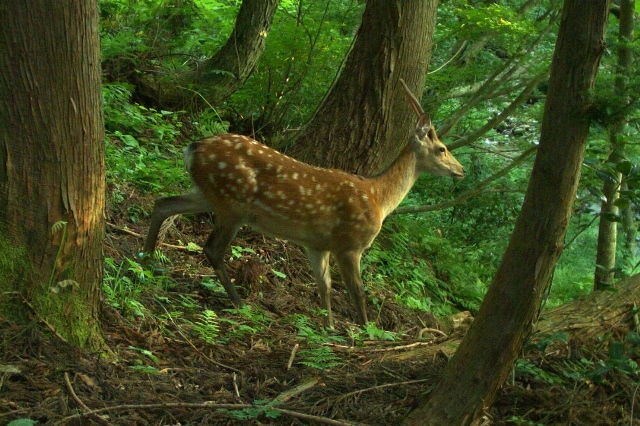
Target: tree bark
[[230, 67], [608, 229], [220, 76], [52, 164], [629, 228], [479, 367], [365, 121]]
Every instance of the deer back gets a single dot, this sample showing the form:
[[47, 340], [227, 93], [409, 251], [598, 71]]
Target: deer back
[[247, 182]]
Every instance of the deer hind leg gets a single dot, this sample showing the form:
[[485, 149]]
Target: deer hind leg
[[192, 202], [214, 250], [320, 265], [349, 265]]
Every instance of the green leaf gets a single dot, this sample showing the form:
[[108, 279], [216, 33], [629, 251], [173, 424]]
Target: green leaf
[[597, 192], [22, 422], [607, 175], [279, 274], [633, 182], [616, 350], [624, 167], [622, 203], [633, 338], [612, 217]]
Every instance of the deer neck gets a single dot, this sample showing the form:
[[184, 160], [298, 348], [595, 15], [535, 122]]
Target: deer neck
[[392, 185]]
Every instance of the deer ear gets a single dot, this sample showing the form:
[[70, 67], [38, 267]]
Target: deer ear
[[423, 125]]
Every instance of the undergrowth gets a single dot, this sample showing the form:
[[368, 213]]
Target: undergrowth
[[426, 271]]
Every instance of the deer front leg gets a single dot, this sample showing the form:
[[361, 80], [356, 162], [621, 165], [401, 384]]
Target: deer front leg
[[349, 265], [320, 265], [214, 250]]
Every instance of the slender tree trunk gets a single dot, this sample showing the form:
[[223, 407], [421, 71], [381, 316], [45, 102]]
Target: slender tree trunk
[[365, 120], [608, 229], [485, 357], [629, 228], [52, 164], [627, 18]]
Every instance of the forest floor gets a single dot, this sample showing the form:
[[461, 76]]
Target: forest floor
[[163, 372]]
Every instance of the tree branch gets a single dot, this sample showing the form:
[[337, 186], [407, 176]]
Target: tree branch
[[480, 186], [522, 98]]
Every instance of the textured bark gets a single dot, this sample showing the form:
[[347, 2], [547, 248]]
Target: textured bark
[[486, 355], [235, 61], [365, 120], [52, 158], [604, 273]]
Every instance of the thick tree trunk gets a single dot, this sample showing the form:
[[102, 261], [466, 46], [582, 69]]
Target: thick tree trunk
[[365, 121], [485, 357], [629, 229], [52, 163]]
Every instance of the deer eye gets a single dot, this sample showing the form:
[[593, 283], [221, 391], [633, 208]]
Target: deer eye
[[442, 149]]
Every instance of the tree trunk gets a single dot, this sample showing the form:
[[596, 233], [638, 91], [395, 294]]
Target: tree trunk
[[629, 229], [608, 229], [227, 71], [485, 357], [52, 165], [220, 76], [365, 120]]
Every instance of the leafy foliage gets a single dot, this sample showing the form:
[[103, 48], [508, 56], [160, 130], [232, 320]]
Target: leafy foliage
[[425, 269], [207, 326], [260, 408], [123, 285], [137, 142], [320, 358]]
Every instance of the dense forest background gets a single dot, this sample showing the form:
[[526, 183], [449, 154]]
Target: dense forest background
[[167, 80], [485, 91]]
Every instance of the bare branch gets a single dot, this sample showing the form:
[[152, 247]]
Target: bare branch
[[480, 186]]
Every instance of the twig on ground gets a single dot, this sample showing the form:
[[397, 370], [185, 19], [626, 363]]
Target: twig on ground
[[235, 384], [169, 405], [135, 234], [431, 330], [389, 349], [288, 394], [386, 385], [78, 401], [294, 351]]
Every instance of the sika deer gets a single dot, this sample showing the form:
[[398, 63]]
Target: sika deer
[[327, 211]]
